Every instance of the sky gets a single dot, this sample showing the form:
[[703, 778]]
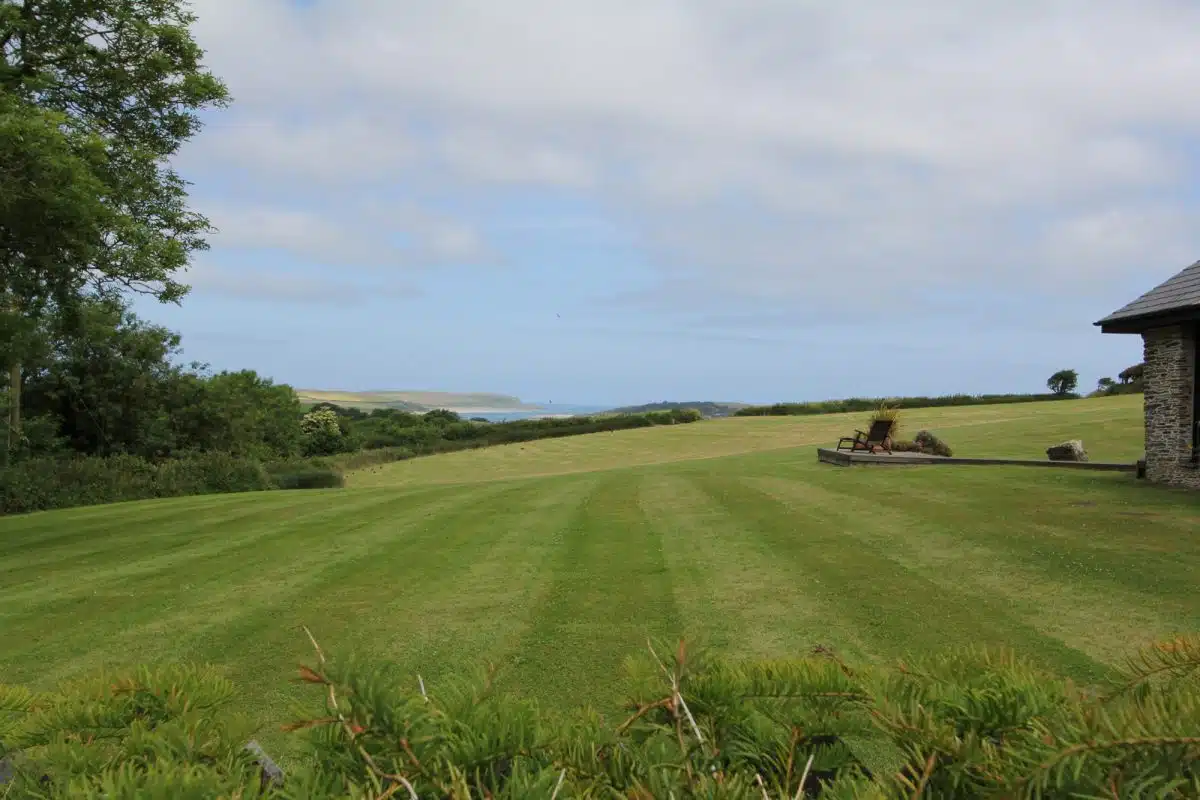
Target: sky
[[623, 201]]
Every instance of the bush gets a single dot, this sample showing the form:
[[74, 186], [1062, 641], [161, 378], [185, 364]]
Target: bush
[[210, 473], [924, 442], [313, 473], [321, 433], [970, 723], [371, 458], [932, 444], [40, 484]]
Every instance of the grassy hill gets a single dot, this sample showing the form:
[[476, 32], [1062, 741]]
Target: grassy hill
[[555, 559], [416, 401]]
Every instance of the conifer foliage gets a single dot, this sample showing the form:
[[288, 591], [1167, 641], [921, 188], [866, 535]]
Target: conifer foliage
[[965, 724]]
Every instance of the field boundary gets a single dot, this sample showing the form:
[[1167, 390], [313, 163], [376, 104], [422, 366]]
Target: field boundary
[[843, 458]]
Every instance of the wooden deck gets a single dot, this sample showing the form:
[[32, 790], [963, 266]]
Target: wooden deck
[[846, 458]]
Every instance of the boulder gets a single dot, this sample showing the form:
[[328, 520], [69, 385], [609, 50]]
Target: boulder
[[1067, 451]]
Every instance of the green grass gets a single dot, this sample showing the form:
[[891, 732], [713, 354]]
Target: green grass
[[556, 559]]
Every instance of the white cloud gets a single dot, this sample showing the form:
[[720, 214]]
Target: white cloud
[[251, 282], [338, 150], [485, 157], [762, 148], [362, 235]]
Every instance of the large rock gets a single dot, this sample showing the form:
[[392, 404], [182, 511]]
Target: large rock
[[1067, 451]]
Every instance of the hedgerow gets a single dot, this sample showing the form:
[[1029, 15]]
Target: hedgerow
[[399, 435], [867, 404], [970, 723], [40, 484]]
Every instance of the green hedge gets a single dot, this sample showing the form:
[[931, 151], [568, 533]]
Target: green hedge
[[965, 724], [40, 484], [868, 404], [313, 473], [425, 439]]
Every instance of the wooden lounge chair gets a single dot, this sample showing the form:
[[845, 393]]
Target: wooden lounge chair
[[876, 438]]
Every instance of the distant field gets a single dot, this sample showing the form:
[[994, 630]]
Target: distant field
[[1111, 429], [416, 401], [555, 559]]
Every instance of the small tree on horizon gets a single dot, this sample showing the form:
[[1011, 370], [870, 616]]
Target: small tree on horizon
[[1105, 384], [1063, 382]]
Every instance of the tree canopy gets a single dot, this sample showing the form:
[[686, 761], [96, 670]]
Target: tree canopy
[[1065, 381], [122, 83]]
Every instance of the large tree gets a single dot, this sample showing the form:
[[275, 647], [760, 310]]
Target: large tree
[[51, 213], [1063, 382], [125, 82]]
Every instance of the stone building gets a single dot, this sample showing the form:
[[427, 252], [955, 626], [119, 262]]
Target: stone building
[[1168, 318]]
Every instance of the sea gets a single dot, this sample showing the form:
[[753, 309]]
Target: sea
[[548, 410]]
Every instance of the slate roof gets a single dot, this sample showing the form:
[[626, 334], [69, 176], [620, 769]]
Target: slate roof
[[1180, 293]]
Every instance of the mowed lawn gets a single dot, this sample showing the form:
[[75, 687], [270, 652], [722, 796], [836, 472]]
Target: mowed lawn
[[555, 560]]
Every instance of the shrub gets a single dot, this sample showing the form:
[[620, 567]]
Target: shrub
[[210, 473], [307, 476], [306, 473], [40, 484], [371, 458], [970, 723], [924, 442], [321, 433], [932, 444]]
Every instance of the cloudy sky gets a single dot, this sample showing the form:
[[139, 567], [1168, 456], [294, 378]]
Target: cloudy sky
[[609, 201]]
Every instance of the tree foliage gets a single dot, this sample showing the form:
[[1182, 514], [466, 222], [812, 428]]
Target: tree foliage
[[1064, 382], [52, 209], [109, 383], [1134, 374], [322, 433], [123, 82]]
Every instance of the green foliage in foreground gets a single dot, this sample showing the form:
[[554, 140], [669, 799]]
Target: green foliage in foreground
[[965, 724]]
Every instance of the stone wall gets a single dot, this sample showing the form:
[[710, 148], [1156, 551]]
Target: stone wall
[[1170, 360]]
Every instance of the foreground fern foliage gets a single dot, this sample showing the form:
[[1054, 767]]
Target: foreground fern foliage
[[963, 724]]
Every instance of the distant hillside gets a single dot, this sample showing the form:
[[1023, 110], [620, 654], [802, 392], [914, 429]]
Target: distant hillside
[[707, 408], [482, 402]]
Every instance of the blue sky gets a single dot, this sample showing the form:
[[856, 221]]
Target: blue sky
[[636, 200]]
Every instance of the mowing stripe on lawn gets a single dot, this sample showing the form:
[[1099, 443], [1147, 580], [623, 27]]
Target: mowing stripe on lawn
[[131, 530], [898, 610], [411, 588], [610, 591], [202, 595], [167, 557], [133, 548], [1099, 619], [458, 595], [734, 596], [1042, 525]]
